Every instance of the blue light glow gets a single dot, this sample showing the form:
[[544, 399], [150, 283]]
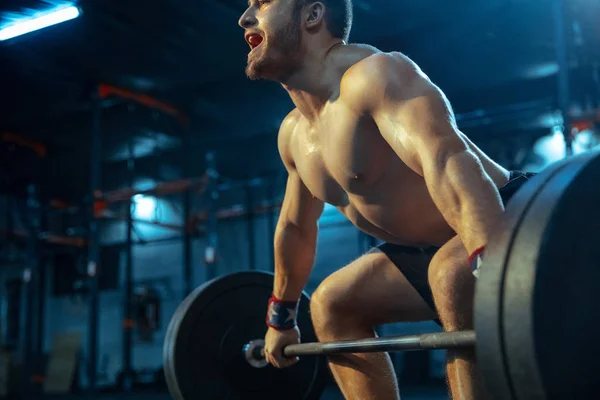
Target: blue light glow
[[331, 215], [552, 148], [38, 22], [542, 70], [145, 206]]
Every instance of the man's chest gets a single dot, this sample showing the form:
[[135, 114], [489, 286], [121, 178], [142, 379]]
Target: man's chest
[[343, 152]]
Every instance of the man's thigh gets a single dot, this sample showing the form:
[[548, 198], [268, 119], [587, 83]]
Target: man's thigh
[[376, 290]]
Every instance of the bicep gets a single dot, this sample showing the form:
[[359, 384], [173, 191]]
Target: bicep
[[300, 207]]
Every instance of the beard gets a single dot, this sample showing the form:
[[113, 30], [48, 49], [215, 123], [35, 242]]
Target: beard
[[277, 58]]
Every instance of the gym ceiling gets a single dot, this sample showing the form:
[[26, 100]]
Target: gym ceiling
[[495, 59]]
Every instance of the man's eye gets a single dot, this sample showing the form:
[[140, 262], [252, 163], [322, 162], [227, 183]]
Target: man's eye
[[263, 2]]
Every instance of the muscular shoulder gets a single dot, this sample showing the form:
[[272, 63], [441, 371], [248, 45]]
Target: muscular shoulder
[[381, 76], [284, 138]]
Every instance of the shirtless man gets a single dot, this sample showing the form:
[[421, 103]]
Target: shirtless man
[[373, 136]]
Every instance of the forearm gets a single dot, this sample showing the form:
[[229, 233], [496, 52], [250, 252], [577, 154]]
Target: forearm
[[294, 258], [467, 198]]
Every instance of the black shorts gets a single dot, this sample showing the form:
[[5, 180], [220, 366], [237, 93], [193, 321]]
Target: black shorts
[[417, 277]]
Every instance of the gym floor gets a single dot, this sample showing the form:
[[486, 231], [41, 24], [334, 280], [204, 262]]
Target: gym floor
[[331, 393], [426, 393]]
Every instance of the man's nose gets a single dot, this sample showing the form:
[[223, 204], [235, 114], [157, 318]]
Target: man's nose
[[248, 20]]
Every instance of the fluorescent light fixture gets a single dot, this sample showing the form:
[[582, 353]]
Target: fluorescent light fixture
[[39, 22]]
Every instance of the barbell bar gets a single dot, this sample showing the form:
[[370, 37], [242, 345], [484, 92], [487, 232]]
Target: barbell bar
[[253, 351]]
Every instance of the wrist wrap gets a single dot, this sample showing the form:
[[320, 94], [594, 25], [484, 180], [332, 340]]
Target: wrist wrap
[[281, 315], [475, 261]]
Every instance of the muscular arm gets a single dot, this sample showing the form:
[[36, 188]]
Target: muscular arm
[[416, 120], [296, 231]]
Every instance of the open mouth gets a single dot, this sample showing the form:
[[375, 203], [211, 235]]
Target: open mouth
[[254, 40]]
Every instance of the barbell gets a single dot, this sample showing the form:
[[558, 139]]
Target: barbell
[[254, 350], [536, 316]]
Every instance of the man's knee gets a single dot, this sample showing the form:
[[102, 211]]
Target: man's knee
[[453, 287], [445, 277], [449, 270], [327, 305]]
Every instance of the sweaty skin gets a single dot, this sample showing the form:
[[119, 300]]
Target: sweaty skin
[[371, 155], [369, 166], [374, 137], [389, 158]]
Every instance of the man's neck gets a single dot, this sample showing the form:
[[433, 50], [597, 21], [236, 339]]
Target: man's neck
[[315, 82]]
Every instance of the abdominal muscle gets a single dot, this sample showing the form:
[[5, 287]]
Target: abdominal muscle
[[401, 213]]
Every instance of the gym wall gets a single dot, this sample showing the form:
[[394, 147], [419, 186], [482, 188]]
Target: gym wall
[[159, 263]]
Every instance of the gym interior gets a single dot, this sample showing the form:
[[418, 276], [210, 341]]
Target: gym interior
[[138, 162]]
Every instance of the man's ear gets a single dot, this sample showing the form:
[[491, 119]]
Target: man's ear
[[315, 15]]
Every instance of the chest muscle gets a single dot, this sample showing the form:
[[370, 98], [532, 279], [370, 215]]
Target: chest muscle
[[342, 155]]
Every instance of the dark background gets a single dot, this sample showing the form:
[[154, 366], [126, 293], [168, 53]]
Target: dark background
[[496, 60]]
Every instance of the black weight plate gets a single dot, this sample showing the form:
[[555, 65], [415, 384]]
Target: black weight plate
[[489, 291], [203, 346], [552, 288]]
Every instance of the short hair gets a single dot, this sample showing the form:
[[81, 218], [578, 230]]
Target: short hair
[[338, 16]]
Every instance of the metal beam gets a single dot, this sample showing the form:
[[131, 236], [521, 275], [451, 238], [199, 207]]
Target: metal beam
[[94, 240], [563, 80]]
